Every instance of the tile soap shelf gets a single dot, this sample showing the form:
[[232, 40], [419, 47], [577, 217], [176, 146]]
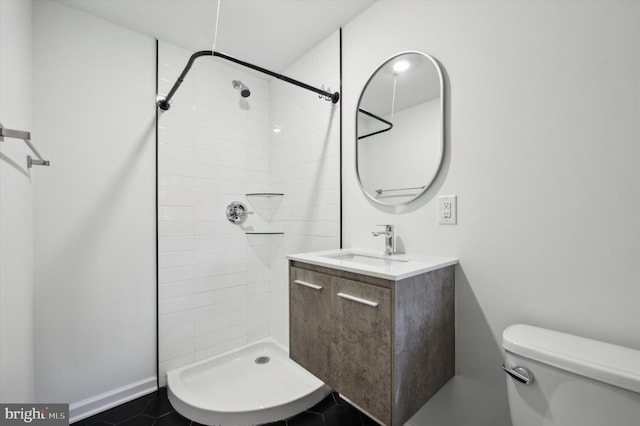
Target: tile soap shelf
[[265, 204], [263, 233]]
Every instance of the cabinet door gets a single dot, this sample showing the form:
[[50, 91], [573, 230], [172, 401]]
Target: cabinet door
[[309, 322], [361, 345]]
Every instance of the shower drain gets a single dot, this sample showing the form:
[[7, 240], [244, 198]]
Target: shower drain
[[262, 360]]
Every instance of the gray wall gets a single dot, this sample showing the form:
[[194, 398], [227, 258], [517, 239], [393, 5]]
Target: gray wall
[[16, 204], [94, 212], [543, 105]]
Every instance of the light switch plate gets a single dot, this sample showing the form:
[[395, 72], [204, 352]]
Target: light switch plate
[[447, 210]]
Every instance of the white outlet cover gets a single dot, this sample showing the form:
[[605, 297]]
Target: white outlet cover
[[447, 216]]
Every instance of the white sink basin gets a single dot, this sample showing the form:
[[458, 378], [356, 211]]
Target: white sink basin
[[366, 259], [373, 263]]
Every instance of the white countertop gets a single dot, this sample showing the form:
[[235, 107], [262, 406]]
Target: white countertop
[[374, 263]]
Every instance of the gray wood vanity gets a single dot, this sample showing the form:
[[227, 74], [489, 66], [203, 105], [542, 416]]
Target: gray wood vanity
[[381, 334]]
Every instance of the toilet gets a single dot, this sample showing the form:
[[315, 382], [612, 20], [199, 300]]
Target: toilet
[[557, 379]]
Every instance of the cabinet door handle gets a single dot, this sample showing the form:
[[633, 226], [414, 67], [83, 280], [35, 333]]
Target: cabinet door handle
[[306, 284], [358, 299]]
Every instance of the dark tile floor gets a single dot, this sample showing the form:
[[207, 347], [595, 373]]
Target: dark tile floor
[[156, 410]]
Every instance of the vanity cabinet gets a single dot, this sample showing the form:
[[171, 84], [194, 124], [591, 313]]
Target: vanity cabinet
[[385, 345], [310, 321], [361, 344]]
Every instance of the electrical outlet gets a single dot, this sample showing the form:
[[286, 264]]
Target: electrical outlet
[[447, 210]]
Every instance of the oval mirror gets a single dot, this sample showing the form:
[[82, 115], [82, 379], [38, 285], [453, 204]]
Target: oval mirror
[[399, 129]]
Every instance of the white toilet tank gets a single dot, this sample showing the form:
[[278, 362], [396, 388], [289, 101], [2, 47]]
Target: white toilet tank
[[576, 381]]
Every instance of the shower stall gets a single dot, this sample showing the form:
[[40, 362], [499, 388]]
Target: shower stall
[[223, 285]]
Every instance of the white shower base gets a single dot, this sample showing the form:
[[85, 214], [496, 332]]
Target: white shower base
[[233, 390]]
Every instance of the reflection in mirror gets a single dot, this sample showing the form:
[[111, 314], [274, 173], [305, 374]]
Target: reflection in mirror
[[399, 128]]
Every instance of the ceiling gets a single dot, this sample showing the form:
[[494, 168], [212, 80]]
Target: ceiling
[[269, 33]]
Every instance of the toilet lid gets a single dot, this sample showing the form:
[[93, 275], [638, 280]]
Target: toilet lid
[[605, 362]]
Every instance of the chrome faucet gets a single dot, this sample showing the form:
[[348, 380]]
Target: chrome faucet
[[389, 238]]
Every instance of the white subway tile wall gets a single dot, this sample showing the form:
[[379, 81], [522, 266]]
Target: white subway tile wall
[[305, 166], [218, 287]]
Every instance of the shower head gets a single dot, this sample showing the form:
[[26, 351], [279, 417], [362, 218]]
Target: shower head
[[244, 90]]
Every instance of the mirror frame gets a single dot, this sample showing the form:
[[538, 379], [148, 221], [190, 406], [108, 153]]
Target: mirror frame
[[432, 179]]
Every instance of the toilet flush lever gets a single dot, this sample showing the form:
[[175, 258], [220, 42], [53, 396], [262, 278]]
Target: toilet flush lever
[[521, 374]]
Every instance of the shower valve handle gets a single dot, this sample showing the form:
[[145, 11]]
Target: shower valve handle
[[237, 212]]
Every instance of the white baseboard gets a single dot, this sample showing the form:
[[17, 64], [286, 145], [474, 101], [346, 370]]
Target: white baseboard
[[99, 403]]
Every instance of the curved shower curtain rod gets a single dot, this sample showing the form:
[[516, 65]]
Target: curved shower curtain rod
[[164, 102], [375, 117]]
